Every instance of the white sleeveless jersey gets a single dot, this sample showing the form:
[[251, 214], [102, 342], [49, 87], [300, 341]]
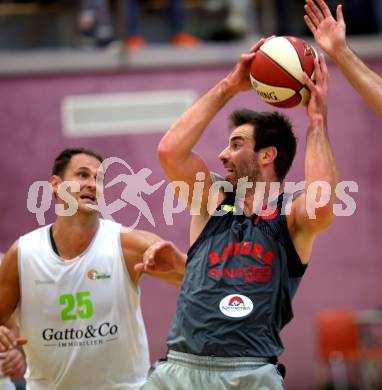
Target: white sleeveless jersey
[[82, 317], [6, 384]]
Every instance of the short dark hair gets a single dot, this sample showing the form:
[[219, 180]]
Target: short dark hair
[[63, 159], [270, 129]]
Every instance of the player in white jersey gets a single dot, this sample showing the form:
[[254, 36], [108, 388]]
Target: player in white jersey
[[12, 362], [75, 287]]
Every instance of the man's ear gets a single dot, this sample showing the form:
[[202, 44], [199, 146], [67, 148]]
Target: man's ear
[[268, 155], [55, 181]]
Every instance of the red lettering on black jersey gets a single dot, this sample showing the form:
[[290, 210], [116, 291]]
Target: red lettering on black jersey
[[237, 248], [241, 248], [229, 273], [257, 250], [246, 248], [263, 274], [214, 272], [238, 272], [268, 257], [258, 274], [214, 258]]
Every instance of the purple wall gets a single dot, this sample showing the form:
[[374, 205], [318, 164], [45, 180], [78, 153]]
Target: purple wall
[[345, 268]]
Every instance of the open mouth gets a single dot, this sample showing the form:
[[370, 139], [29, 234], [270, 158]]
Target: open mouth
[[229, 169], [92, 198]]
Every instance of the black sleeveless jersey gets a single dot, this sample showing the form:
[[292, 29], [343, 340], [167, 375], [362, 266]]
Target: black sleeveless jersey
[[241, 275]]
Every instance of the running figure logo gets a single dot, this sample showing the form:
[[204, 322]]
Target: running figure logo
[[135, 185]]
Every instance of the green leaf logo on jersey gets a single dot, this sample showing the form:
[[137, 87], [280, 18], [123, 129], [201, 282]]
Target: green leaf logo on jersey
[[93, 274], [229, 209]]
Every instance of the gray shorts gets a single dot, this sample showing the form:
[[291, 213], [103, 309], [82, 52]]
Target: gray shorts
[[184, 371]]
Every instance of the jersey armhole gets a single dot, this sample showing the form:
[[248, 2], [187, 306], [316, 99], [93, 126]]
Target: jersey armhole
[[124, 265], [296, 268]]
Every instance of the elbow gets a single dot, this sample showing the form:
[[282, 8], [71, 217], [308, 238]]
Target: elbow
[[163, 152], [167, 150], [169, 154], [320, 200], [324, 217]]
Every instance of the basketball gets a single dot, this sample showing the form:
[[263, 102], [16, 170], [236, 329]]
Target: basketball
[[276, 72]]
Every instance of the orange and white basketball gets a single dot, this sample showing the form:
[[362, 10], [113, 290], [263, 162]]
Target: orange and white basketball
[[277, 71]]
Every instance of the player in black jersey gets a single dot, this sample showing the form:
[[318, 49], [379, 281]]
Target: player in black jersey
[[245, 263]]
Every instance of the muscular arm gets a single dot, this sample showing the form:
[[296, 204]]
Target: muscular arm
[[330, 34], [9, 298], [364, 80], [312, 212], [175, 150], [145, 252], [9, 284]]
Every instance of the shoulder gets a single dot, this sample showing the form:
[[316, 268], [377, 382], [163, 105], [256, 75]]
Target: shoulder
[[9, 260], [11, 253], [35, 235]]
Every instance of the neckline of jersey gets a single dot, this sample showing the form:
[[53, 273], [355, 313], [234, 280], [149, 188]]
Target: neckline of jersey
[[62, 260]]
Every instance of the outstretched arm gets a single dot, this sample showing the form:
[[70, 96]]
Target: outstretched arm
[[9, 284], [312, 212], [9, 297], [145, 252], [330, 34], [165, 261], [175, 151]]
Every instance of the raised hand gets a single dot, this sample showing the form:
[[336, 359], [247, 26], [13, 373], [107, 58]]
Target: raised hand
[[329, 33], [239, 77], [318, 104]]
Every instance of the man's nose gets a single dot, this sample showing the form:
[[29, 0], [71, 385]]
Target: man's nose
[[223, 156], [91, 181]]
